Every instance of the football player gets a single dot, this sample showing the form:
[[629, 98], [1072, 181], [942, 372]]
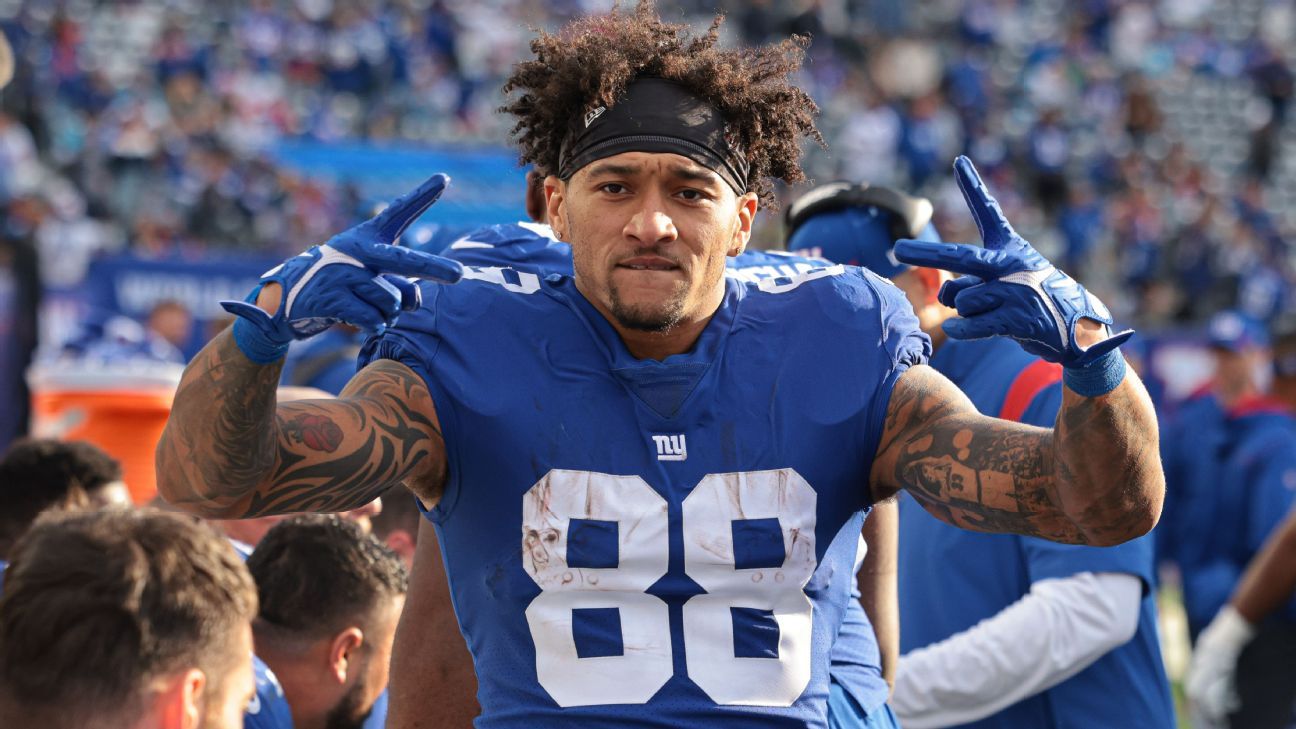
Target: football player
[[648, 511], [430, 657], [1241, 670]]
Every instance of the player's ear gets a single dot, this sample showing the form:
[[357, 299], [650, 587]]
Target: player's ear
[[342, 652], [747, 206], [556, 205], [179, 702], [931, 279]]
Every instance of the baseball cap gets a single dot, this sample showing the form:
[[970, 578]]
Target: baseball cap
[[1236, 332], [858, 224]]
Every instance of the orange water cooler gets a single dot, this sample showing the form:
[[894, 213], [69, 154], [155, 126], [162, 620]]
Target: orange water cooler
[[120, 407]]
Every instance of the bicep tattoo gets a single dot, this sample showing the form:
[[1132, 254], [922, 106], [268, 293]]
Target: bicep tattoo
[[335, 455]]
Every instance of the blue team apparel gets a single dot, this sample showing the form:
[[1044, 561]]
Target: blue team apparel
[[525, 246], [532, 247], [1192, 447], [1250, 493], [268, 708], [981, 574], [640, 543], [1009, 289], [854, 236]]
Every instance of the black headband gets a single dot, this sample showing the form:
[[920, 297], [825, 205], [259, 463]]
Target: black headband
[[655, 115]]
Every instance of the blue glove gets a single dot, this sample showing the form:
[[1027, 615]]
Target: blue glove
[[357, 277], [1009, 288]]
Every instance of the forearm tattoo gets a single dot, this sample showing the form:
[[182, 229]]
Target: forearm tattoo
[[971, 471], [1089, 480]]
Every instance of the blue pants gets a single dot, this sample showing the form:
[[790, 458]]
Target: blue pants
[[844, 712]]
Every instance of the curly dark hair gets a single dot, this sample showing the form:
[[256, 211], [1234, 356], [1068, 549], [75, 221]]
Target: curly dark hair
[[591, 61], [318, 573]]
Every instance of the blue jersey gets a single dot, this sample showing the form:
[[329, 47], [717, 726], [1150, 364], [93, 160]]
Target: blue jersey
[[641, 543], [530, 247], [1244, 478], [981, 574], [268, 708], [1192, 445]]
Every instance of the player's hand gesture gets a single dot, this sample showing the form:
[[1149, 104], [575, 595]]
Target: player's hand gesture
[[357, 277], [1008, 288]]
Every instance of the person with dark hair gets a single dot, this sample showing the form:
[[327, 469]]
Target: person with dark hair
[[330, 598], [41, 473], [647, 513], [122, 619]]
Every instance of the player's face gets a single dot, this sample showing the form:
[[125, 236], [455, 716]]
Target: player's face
[[650, 233], [357, 703]]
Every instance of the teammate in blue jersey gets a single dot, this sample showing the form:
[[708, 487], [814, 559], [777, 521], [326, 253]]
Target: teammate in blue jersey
[[1241, 670], [648, 511], [1044, 627], [1198, 444]]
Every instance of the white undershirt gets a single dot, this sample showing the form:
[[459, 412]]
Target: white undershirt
[[1052, 633]]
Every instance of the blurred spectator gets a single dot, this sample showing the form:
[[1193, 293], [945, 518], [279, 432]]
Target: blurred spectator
[[40, 474], [171, 322], [168, 123], [125, 619], [330, 598]]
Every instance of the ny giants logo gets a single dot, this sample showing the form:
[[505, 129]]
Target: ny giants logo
[[671, 447]]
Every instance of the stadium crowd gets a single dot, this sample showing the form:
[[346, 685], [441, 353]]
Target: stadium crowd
[[153, 127], [1147, 140]]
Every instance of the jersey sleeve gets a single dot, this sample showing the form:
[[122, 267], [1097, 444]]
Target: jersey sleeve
[[905, 343]]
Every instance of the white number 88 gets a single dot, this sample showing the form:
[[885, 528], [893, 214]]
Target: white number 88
[[771, 586]]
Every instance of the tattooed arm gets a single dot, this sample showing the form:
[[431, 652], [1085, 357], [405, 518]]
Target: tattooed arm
[[230, 452], [1095, 478]]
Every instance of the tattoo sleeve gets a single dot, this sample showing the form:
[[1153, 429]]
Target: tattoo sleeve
[[230, 452], [1094, 479]]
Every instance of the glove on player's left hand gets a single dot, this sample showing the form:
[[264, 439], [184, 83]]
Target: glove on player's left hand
[[1009, 288]]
